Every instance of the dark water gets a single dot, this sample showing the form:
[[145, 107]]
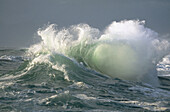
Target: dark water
[[62, 84]]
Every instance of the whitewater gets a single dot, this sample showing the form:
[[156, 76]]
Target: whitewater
[[124, 67]]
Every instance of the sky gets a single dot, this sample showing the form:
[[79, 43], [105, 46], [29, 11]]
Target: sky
[[20, 19]]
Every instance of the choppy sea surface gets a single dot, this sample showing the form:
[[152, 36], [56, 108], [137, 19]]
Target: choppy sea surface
[[69, 75]]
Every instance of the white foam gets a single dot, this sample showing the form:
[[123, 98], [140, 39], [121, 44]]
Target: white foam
[[84, 97]]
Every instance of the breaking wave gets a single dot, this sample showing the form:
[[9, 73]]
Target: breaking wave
[[126, 49]]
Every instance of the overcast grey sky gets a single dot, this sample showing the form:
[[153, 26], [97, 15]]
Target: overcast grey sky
[[20, 19]]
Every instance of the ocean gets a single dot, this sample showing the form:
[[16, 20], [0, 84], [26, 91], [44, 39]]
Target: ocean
[[125, 68]]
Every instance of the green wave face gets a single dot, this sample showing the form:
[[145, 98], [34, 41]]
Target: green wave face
[[115, 60]]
